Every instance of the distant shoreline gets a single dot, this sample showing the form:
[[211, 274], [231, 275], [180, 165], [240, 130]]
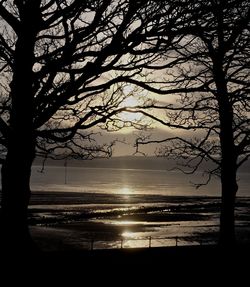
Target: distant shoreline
[[126, 162]]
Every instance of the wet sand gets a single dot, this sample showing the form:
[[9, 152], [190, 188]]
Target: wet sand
[[75, 221]]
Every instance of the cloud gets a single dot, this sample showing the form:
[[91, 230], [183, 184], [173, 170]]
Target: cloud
[[125, 144]]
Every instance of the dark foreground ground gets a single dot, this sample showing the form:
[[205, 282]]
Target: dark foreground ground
[[205, 265], [177, 257]]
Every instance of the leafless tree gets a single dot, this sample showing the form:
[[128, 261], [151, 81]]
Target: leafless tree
[[207, 82], [60, 65]]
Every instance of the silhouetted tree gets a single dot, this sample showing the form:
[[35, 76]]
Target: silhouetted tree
[[57, 59], [207, 80]]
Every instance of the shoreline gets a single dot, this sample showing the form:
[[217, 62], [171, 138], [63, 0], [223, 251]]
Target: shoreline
[[71, 221]]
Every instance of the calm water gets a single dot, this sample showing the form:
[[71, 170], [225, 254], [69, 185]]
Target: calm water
[[127, 181]]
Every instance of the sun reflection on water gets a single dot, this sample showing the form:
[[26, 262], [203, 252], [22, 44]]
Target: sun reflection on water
[[133, 239], [124, 222], [128, 234]]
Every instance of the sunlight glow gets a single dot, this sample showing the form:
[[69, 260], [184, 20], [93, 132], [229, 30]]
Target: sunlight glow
[[130, 102], [126, 190], [125, 222]]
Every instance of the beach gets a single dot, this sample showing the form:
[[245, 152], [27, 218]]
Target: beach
[[86, 221]]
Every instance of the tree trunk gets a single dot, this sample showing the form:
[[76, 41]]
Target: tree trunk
[[15, 199], [21, 139], [229, 185], [228, 163], [227, 226]]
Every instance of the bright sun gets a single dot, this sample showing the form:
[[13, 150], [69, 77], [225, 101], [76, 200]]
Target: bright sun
[[130, 102]]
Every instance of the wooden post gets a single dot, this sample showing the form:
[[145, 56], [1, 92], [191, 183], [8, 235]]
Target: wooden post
[[92, 244], [176, 241], [149, 242], [65, 171], [121, 243]]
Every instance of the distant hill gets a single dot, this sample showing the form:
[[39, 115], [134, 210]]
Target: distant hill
[[125, 162]]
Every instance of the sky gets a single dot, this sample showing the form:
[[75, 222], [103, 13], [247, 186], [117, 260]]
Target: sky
[[125, 146]]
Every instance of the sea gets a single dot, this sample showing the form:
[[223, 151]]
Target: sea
[[128, 176]]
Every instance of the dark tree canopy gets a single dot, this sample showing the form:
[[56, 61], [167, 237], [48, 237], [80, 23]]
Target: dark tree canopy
[[207, 83], [59, 57], [193, 84], [62, 63]]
